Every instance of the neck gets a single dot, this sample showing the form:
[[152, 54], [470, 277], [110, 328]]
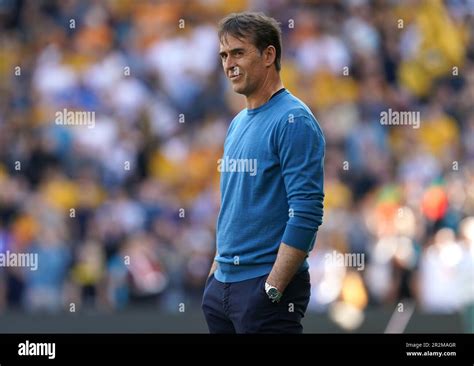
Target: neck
[[262, 95]]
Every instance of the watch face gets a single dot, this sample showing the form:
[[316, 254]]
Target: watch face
[[273, 293]]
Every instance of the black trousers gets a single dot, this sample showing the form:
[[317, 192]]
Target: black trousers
[[244, 307]]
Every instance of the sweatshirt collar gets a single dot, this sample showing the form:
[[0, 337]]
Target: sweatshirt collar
[[273, 100]]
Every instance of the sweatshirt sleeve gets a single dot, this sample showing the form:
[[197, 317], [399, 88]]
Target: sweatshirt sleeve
[[301, 149]]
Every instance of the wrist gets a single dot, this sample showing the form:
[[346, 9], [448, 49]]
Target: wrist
[[273, 293]]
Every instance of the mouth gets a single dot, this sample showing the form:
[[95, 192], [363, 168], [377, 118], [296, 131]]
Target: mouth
[[234, 77]]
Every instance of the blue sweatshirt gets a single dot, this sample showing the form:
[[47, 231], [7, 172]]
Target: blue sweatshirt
[[271, 187]]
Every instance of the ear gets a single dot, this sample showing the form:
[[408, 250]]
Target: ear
[[269, 54]]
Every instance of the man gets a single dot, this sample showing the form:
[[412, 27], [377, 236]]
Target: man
[[271, 191]]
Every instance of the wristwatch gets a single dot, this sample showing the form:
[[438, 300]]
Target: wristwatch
[[273, 293]]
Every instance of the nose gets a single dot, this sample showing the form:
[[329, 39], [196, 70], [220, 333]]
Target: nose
[[229, 65]]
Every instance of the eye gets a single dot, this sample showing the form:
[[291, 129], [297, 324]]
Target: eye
[[239, 53]]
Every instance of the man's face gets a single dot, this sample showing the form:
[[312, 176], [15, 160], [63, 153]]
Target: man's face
[[242, 63]]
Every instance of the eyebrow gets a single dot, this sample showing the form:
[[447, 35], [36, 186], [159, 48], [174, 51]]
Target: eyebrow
[[232, 51]]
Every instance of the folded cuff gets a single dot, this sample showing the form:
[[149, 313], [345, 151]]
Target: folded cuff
[[299, 238]]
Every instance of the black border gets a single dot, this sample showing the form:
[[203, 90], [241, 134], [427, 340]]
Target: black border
[[87, 347]]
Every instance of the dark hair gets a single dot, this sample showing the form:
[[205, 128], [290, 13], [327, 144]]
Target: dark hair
[[263, 31]]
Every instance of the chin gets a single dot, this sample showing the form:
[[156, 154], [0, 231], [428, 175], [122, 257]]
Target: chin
[[238, 89]]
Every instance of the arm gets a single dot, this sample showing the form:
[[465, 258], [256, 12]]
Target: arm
[[288, 261], [213, 267], [301, 150]]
